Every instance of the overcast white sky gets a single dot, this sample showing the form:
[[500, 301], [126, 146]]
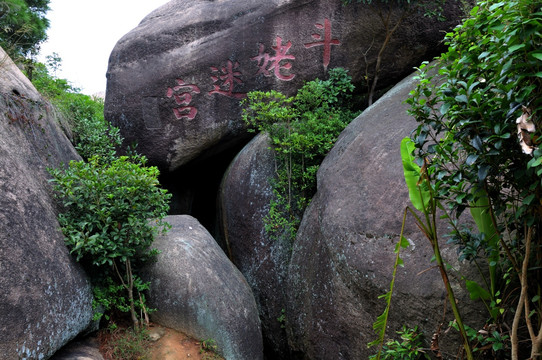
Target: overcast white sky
[[84, 32]]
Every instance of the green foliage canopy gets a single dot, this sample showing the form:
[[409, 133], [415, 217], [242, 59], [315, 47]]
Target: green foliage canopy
[[23, 26], [492, 68], [479, 129], [108, 208], [83, 114], [303, 129], [112, 212]]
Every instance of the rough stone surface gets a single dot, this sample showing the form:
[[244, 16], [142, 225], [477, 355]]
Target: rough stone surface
[[175, 81], [198, 291], [83, 349], [245, 196], [45, 298], [343, 255]]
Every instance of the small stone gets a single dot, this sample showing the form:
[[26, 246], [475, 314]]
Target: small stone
[[156, 334]]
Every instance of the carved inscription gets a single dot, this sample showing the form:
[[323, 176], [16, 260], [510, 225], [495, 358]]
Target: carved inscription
[[326, 41], [266, 62], [278, 62], [227, 77], [182, 94]]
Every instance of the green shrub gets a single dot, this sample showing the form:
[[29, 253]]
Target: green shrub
[[302, 129], [96, 137], [409, 347], [82, 116], [479, 130], [112, 212]]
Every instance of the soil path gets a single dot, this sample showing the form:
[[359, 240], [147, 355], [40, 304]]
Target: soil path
[[174, 345]]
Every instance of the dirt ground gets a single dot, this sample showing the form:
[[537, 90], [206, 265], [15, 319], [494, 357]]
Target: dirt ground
[[162, 344], [174, 345]]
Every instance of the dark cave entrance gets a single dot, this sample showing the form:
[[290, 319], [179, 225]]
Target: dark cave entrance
[[195, 187]]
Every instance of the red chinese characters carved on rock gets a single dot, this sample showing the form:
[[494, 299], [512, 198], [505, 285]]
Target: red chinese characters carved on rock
[[266, 62], [182, 93], [229, 77], [326, 41]]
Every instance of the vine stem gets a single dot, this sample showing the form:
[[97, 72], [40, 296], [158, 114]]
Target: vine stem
[[385, 314], [451, 297], [522, 301], [430, 232]]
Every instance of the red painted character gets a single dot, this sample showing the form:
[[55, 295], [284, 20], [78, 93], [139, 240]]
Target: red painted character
[[229, 77], [326, 42], [182, 93], [266, 62]]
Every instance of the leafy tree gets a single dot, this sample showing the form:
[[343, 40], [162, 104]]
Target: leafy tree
[[83, 117], [23, 27], [112, 212], [479, 129], [303, 129]]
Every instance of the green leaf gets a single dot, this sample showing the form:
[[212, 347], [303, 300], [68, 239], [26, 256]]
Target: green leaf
[[461, 98], [444, 108], [476, 291], [534, 162], [482, 172], [418, 193], [537, 55], [516, 47], [404, 242], [471, 159], [529, 199]]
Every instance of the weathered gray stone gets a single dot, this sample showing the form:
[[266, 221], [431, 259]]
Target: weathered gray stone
[[245, 197], [198, 291], [83, 349], [45, 298], [343, 255], [175, 82]]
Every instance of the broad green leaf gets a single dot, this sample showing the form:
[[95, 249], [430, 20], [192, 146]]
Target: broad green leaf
[[461, 98], [537, 55], [481, 213], [476, 291], [534, 162], [471, 159], [418, 193], [516, 47], [529, 199]]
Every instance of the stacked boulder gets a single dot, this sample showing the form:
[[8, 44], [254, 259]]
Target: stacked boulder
[[175, 82], [45, 297], [175, 87]]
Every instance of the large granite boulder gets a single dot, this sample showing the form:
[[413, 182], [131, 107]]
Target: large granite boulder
[[175, 82], [198, 291], [343, 255], [87, 348], [245, 197], [45, 297]]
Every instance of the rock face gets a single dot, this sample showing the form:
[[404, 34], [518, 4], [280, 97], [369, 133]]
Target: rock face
[[84, 349], [245, 196], [343, 255], [175, 82], [198, 291], [45, 298]]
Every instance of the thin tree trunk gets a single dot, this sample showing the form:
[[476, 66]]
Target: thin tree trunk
[[524, 287], [130, 289], [389, 34]]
